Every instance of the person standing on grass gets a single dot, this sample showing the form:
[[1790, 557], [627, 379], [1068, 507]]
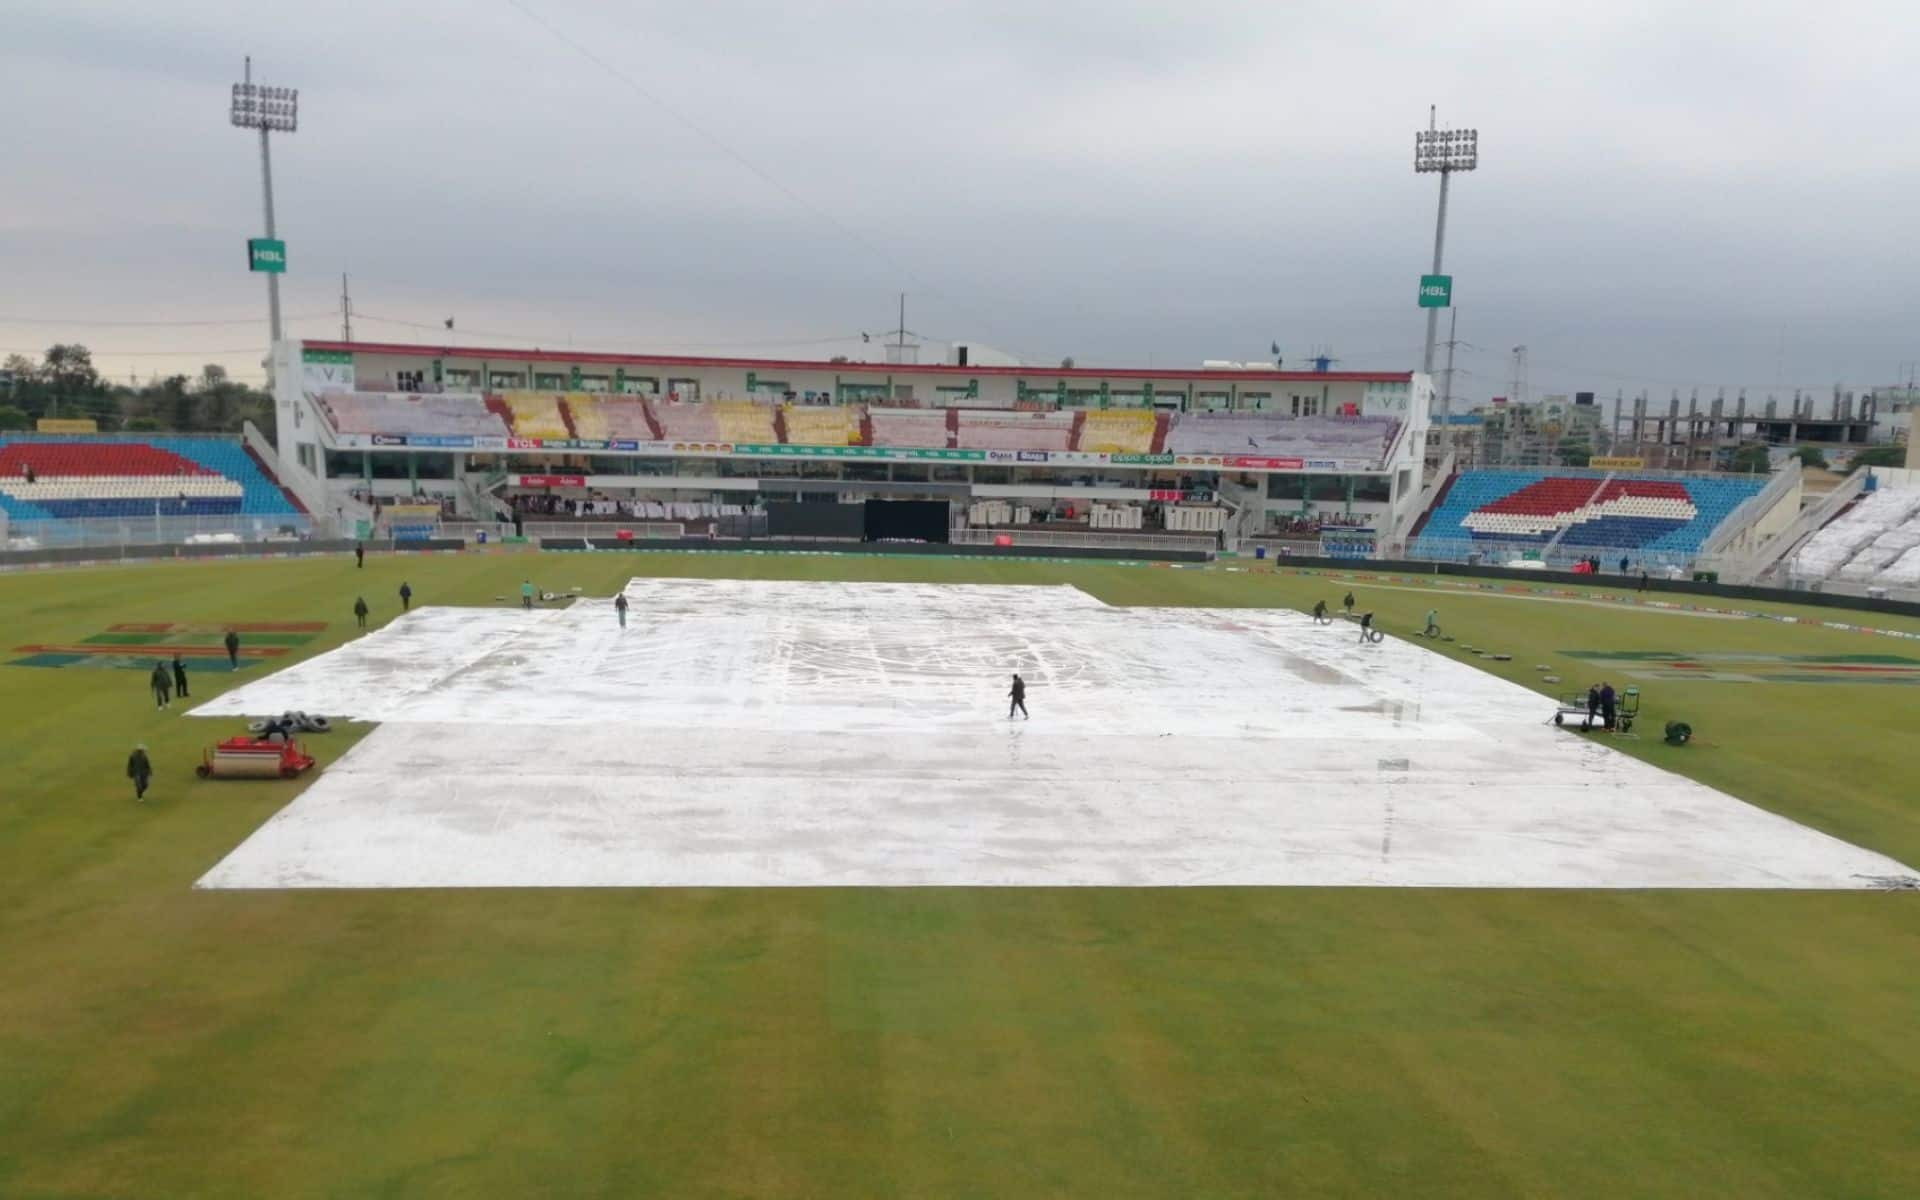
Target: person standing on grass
[[620, 608], [359, 555], [1366, 625], [406, 597], [179, 677], [1433, 622], [1018, 694], [1593, 705], [1320, 610], [162, 686], [140, 770], [526, 594], [1348, 604], [1606, 704], [233, 650], [360, 610]]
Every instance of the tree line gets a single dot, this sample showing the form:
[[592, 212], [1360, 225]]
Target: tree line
[[65, 383]]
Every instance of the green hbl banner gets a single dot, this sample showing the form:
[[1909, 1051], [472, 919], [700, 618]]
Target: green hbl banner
[[267, 254], [573, 379], [1436, 291]]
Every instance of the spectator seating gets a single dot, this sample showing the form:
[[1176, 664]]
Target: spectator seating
[[1268, 435], [687, 422], [744, 421], [838, 425], [115, 477], [1015, 430], [1118, 431], [1594, 513], [442, 414], [1875, 541], [536, 415], [909, 428], [609, 418]]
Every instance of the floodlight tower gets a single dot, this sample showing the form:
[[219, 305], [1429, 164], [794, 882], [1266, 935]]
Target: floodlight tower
[[268, 109], [1444, 151]]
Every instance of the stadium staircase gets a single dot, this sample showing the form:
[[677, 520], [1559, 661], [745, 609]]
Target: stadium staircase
[[780, 424], [566, 417], [266, 469], [1593, 496], [953, 427], [498, 407], [1162, 421], [866, 426], [653, 419], [1079, 427]]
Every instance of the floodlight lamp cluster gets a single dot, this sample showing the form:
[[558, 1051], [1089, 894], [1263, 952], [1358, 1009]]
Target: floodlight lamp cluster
[[259, 107], [1446, 150]]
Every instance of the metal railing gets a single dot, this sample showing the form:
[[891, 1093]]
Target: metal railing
[[1041, 540], [1494, 554], [602, 529], [67, 533]]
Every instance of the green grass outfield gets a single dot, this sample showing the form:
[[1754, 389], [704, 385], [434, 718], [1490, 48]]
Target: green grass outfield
[[159, 1042]]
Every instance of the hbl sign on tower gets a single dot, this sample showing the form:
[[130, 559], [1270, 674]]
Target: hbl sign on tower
[[267, 254], [1436, 291]]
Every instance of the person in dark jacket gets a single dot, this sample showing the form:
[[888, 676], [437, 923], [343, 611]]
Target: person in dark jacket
[[360, 610], [620, 608], [1366, 626], [1606, 704], [1593, 705], [359, 554], [1018, 694], [406, 596], [233, 650], [179, 677], [160, 682], [140, 770], [1348, 603], [1320, 611]]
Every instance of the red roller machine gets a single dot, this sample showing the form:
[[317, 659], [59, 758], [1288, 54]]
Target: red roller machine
[[246, 758]]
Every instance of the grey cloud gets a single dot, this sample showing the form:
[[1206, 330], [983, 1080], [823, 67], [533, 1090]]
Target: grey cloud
[[1666, 189]]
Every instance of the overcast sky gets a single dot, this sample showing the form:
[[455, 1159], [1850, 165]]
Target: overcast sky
[[1670, 194]]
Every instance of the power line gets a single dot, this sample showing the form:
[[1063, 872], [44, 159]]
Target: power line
[[138, 353], [149, 324], [537, 340], [641, 90]]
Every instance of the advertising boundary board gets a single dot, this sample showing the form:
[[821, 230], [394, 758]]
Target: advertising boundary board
[[1631, 583], [85, 555], [850, 546], [1030, 458]]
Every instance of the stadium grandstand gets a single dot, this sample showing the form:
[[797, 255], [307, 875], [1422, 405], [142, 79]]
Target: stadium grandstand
[[611, 418], [430, 415], [834, 425], [1566, 515], [63, 489], [1874, 542]]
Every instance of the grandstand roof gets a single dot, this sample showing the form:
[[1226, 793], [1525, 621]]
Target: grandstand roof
[[584, 358]]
